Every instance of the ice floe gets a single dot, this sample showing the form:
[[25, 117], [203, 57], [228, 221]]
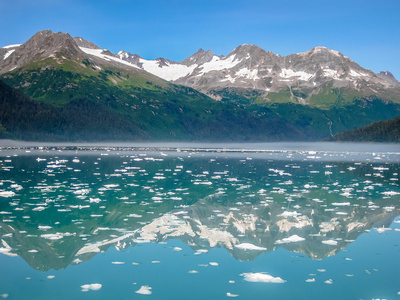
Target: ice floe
[[91, 287], [262, 277], [144, 290], [248, 246], [232, 295], [292, 239]]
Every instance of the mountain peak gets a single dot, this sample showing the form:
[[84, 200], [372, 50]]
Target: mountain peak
[[42, 45], [386, 75], [84, 43], [200, 57]]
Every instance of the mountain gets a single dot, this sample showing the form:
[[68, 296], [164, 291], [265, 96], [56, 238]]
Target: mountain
[[256, 95], [93, 95], [385, 131], [320, 77]]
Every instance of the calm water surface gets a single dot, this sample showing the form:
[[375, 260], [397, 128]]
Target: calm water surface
[[289, 221]]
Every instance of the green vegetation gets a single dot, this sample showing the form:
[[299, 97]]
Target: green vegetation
[[384, 131], [76, 100]]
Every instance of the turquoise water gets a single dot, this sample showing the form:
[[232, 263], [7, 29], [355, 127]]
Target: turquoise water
[[317, 223]]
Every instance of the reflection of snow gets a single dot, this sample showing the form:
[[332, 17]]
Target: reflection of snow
[[248, 246]]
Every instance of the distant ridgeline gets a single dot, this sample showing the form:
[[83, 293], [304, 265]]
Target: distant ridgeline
[[58, 88], [384, 131]]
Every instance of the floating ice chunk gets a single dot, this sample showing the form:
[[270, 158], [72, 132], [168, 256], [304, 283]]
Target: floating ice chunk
[[94, 200], [292, 239], [287, 214], [248, 246], [310, 280], [155, 262], [134, 216], [51, 277], [391, 193], [92, 286], [232, 295], [4, 296], [177, 249], [330, 242], [44, 227], [193, 272], [341, 203], [329, 281], [215, 264], [39, 208], [144, 290], [261, 277], [321, 270], [118, 262], [382, 229], [7, 194], [33, 251], [52, 236]]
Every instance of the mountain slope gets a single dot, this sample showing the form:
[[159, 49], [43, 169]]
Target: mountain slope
[[302, 78], [95, 96], [385, 131], [117, 97]]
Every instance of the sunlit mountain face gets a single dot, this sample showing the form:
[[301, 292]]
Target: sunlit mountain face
[[61, 208]]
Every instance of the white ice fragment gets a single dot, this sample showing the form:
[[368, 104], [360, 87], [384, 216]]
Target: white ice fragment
[[92, 286], [215, 264], [39, 208], [7, 194], [52, 236], [44, 227], [341, 203], [177, 249], [310, 280], [193, 272], [4, 296], [261, 277], [330, 242], [134, 216], [292, 239], [248, 246], [232, 295], [382, 229], [329, 281], [118, 262], [287, 214], [144, 290], [51, 277]]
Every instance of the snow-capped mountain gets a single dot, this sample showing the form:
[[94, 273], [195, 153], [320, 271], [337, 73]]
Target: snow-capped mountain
[[297, 77], [250, 67]]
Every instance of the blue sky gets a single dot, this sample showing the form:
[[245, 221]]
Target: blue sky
[[367, 31]]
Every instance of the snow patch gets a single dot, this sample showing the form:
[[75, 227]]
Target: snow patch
[[12, 46], [288, 73], [98, 53], [169, 72], [218, 64]]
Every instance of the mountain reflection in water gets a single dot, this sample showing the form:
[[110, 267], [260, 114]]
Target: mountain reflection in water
[[62, 208]]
